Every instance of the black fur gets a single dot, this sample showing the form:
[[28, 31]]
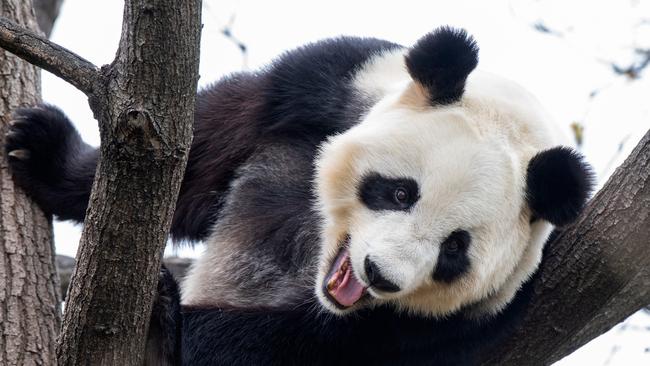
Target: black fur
[[378, 192], [57, 168], [308, 91], [441, 61], [453, 260], [303, 336], [225, 135], [558, 184], [164, 335]]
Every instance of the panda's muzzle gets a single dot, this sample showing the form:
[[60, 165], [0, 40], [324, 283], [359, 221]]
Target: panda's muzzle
[[376, 279]]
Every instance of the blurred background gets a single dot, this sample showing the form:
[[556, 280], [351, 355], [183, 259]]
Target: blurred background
[[587, 61]]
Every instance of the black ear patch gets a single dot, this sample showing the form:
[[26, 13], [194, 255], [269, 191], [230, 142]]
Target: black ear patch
[[440, 61], [558, 184]]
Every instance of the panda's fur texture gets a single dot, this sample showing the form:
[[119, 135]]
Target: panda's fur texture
[[361, 203]]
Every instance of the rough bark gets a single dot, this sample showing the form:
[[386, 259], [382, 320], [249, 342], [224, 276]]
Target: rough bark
[[29, 297], [46, 13], [144, 102], [596, 273]]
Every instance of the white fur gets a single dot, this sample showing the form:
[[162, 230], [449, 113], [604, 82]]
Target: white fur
[[469, 160], [382, 74]]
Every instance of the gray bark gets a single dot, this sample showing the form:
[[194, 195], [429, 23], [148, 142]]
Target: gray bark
[[46, 13], [29, 298], [596, 273]]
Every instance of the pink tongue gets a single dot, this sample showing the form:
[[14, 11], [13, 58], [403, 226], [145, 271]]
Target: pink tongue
[[341, 284]]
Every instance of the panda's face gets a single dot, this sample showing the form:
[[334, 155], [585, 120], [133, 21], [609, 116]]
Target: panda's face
[[421, 209], [443, 196]]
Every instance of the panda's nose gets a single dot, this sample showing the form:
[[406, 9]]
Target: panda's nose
[[376, 279]]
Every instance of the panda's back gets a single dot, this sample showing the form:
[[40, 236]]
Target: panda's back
[[262, 246]]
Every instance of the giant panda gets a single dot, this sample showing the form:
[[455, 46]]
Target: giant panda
[[361, 203]]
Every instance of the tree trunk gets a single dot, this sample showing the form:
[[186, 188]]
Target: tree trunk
[[144, 102], [46, 13], [595, 274], [29, 297]]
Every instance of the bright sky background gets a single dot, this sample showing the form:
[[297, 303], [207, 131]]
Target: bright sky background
[[563, 68]]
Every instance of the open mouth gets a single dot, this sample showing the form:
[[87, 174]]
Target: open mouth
[[341, 286]]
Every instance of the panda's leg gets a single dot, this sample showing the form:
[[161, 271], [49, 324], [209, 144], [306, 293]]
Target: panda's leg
[[56, 168], [163, 337], [50, 161]]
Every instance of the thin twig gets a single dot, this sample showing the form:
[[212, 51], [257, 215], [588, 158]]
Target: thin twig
[[48, 55]]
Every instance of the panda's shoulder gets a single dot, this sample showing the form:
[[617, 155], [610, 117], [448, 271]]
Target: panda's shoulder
[[337, 56], [309, 91]]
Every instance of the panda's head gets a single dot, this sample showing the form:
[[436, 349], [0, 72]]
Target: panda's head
[[442, 197]]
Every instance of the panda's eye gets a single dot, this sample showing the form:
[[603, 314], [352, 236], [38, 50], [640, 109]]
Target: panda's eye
[[452, 247], [401, 195], [456, 242], [378, 192], [453, 260]]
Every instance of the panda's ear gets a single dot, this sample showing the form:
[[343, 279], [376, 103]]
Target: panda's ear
[[558, 184], [441, 61]]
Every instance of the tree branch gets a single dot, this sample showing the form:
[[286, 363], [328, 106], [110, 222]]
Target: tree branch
[[49, 56], [594, 275]]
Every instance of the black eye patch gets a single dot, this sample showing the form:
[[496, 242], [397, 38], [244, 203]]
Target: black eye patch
[[381, 193], [453, 260]]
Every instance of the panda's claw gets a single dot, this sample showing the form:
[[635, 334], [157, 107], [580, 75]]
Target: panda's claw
[[20, 154], [12, 134]]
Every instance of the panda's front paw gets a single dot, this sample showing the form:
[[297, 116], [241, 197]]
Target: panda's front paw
[[38, 142]]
